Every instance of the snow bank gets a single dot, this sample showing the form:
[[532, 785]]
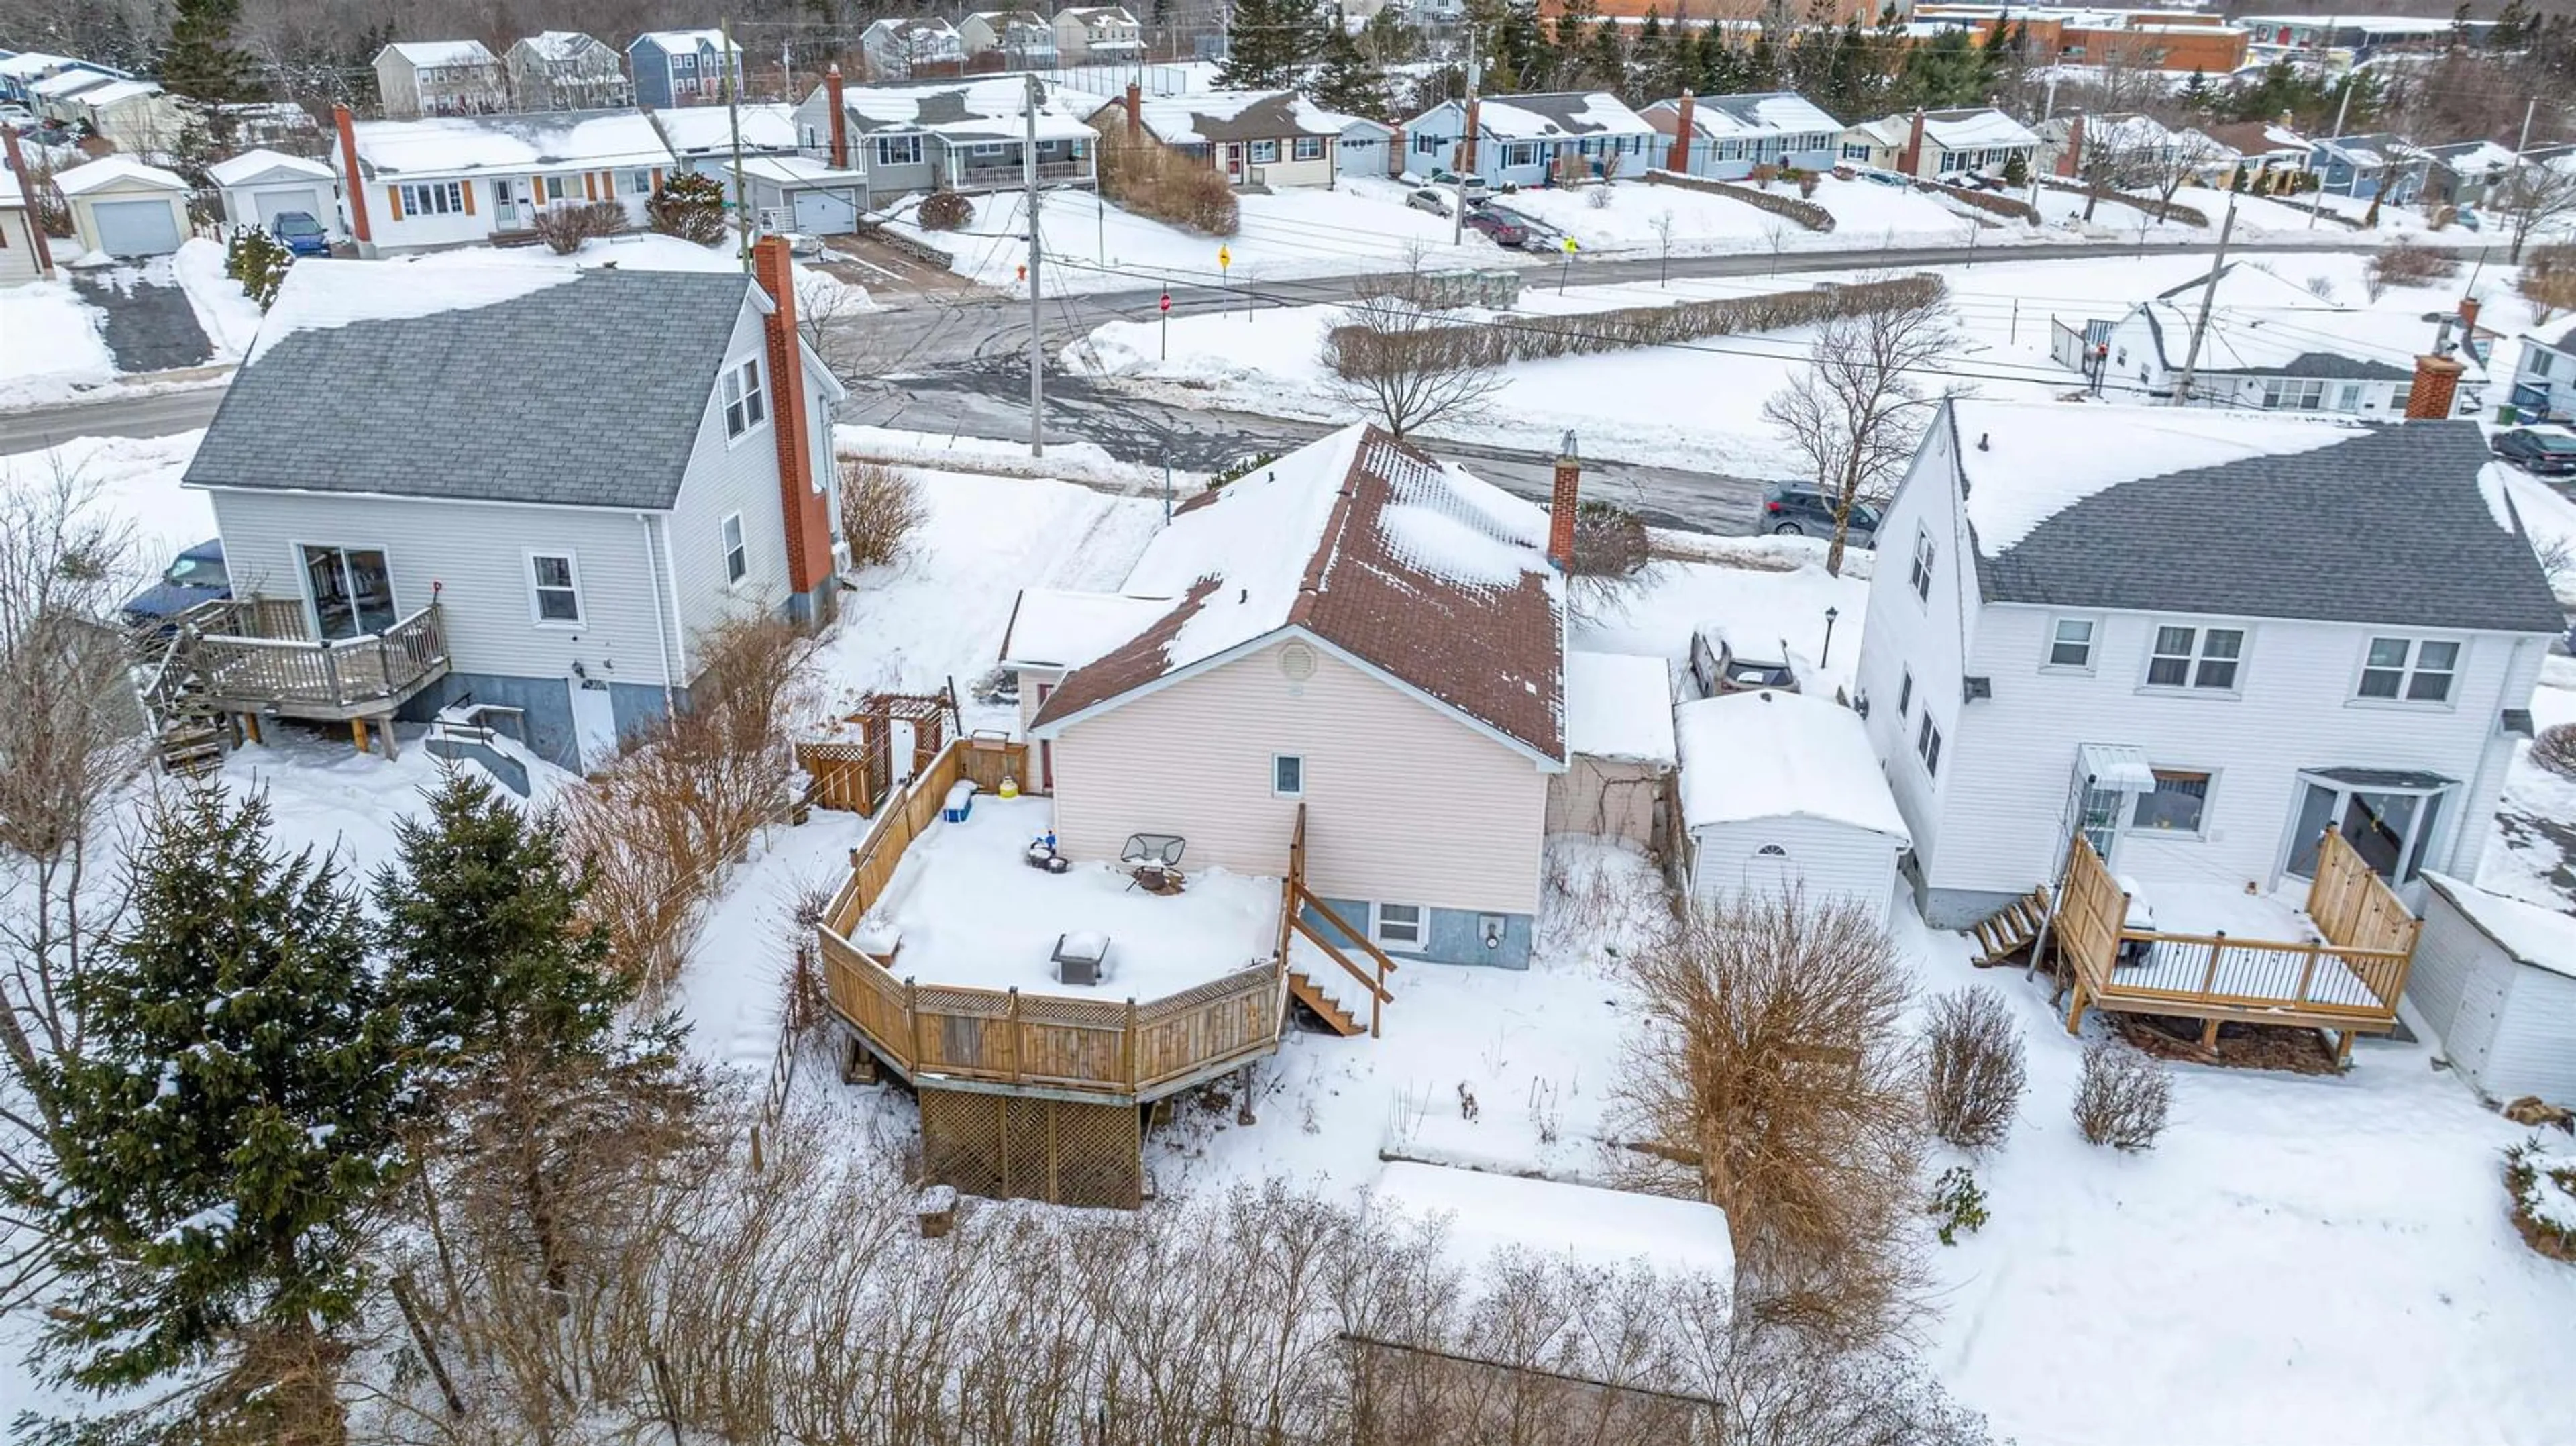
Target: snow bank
[[54, 349]]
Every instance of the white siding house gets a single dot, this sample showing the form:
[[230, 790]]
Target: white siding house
[[2058, 636], [2494, 980], [259, 186], [416, 78], [1097, 35], [22, 257], [1782, 795], [2273, 345], [912, 47], [565, 70], [458, 180]]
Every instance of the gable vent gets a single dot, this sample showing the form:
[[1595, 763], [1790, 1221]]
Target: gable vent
[[1297, 662]]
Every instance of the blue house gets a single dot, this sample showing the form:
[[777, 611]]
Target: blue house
[[1529, 140], [2389, 167], [681, 67]]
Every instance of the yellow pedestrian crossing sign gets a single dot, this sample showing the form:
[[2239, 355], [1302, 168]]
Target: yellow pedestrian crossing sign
[[1224, 259], [1570, 247]]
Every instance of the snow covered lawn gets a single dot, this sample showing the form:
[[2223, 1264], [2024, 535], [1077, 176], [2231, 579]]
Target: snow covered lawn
[[54, 350], [135, 479]]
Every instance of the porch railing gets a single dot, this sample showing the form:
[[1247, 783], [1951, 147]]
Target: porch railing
[[267, 665], [1011, 173]]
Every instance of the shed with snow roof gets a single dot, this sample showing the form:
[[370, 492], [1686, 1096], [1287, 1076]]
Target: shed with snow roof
[[1619, 749], [260, 186], [1781, 793], [2495, 981], [122, 207]]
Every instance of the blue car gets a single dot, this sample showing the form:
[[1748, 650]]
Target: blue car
[[302, 234], [197, 576]]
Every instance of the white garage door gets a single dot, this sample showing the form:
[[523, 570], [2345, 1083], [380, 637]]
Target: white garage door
[[136, 228], [278, 200], [826, 213]]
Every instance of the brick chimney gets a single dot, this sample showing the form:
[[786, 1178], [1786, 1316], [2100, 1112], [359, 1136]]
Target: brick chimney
[[1135, 112], [2070, 162], [1913, 153], [1686, 117], [1561, 502], [2469, 306], [35, 232], [2437, 381], [840, 118], [357, 186], [1467, 145], [807, 514]]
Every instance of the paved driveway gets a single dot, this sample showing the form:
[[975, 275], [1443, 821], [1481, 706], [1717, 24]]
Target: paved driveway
[[150, 326]]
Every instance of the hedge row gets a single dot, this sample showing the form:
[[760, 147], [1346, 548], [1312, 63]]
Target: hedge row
[[2161, 210], [1540, 337], [1805, 213], [1986, 201]]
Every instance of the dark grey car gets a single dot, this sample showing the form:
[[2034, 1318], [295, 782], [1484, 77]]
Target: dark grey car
[[1796, 509]]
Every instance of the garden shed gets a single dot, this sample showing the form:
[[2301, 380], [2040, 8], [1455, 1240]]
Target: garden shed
[[2495, 980], [1780, 791], [122, 207], [260, 186]]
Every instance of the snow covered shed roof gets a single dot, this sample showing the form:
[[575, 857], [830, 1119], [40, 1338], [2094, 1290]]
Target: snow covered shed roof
[[2188, 509], [374, 361], [234, 170], [465, 145], [114, 170], [1051, 628], [1750, 756], [707, 130], [1619, 707], [1376, 550], [1557, 113], [1230, 115], [1602, 1229], [426, 53], [2541, 937]]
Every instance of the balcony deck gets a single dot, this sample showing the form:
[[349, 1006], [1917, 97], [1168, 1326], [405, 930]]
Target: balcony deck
[[258, 656]]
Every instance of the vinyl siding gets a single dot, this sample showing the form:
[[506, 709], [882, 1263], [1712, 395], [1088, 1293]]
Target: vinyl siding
[[18, 255], [1907, 634], [397, 87], [726, 476], [1403, 800], [1825, 859], [2508, 1027]]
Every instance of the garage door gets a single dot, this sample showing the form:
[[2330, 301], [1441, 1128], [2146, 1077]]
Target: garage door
[[278, 200], [826, 213], [136, 228]]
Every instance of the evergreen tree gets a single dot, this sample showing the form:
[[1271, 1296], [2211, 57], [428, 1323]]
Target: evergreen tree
[[1387, 40], [1270, 43], [1947, 70], [1350, 82], [2514, 27], [229, 1122], [202, 63]]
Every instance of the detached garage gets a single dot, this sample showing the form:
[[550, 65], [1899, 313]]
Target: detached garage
[[795, 193], [1782, 792], [2495, 980], [122, 207], [260, 186]]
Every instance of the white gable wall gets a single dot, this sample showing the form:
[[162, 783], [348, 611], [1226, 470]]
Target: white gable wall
[[1823, 859], [2509, 1028], [729, 475], [1928, 639]]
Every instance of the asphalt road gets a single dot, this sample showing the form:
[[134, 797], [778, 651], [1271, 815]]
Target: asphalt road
[[134, 414]]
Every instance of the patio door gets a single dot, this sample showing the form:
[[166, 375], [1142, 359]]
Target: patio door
[[2391, 823], [351, 590], [2102, 794]]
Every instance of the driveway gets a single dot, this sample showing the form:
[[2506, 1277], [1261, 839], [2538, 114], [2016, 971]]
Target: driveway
[[150, 326]]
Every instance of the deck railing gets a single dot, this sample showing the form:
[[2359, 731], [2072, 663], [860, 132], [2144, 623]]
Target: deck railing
[[268, 665], [1011, 173], [1134, 1049]]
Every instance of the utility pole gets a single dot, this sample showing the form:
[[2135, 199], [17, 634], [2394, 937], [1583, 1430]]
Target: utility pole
[[1037, 342], [2523, 142], [2342, 108], [733, 117], [2208, 294], [1467, 143], [2047, 113]]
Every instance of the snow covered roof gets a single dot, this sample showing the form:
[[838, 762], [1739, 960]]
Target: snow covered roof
[[428, 53], [1050, 628], [32, 62], [2474, 157], [119, 90], [472, 144], [994, 108], [114, 170], [1763, 755], [1096, 17], [1558, 113], [1232, 115], [2258, 138], [1619, 707], [1000, 20], [707, 130], [1596, 1227], [795, 171], [2262, 325], [10, 192], [233, 170], [2543, 938], [69, 83], [1977, 128], [2242, 514], [910, 27], [1376, 550], [376, 355], [560, 45], [708, 38], [1753, 113]]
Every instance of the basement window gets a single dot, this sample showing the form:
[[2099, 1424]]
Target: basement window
[[1399, 926]]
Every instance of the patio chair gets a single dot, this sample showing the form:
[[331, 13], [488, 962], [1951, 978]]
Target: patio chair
[[1152, 860]]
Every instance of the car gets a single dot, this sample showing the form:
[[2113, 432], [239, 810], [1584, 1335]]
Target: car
[[1429, 200], [195, 576], [1801, 509], [1497, 229], [1720, 668], [1472, 187], [17, 115], [302, 234], [2546, 454]]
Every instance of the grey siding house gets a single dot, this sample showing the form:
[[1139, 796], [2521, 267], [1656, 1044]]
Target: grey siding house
[[956, 135], [579, 513]]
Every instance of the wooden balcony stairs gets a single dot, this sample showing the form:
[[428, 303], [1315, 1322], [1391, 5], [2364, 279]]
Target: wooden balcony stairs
[[1332, 998], [2010, 929]]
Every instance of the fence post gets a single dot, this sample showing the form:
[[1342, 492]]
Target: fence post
[[331, 671], [2209, 979], [912, 1017], [2307, 971], [1015, 1034], [1127, 1044]]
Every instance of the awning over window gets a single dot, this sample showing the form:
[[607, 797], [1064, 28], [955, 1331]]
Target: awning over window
[[2407, 779], [2116, 765]]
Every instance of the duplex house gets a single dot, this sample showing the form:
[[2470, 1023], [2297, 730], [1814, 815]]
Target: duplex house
[[1530, 140], [2059, 640], [682, 67], [1977, 140], [1008, 40], [960, 135], [462, 180], [2380, 165], [574, 582], [1268, 138], [1724, 137], [138, 115], [2274, 345], [565, 70], [912, 47], [1098, 35], [415, 78]]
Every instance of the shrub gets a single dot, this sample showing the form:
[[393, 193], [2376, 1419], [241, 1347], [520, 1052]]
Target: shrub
[[1805, 213], [2548, 280], [2543, 1187], [881, 508], [564, 227], [1611, 550], [1958, 1204], [689, 206], [1175, 189], [945, 211], [2555, 749], [2406, 264], [2122, 1099], [1972, 1078]]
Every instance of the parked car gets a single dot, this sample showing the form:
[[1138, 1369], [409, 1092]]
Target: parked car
[[195, 576], [1719, 668], [1472, 186], [302, 234], [1500, 231], [1801, 509], [1429, 200], [16, 115], [2546, 454]]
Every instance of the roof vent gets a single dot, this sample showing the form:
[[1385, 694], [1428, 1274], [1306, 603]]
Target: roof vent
[[1985, 442], [1297, 662]]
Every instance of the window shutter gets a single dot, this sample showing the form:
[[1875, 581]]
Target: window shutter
[[657, 180], [590, 185], [396, 193], [466, 189]]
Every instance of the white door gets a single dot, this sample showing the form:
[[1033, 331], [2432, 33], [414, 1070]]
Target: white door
[[826, 213], [594, 721], [135, 228], [901, 740], [276, 201]]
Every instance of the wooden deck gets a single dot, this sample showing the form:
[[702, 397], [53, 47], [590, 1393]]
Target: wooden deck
[[2348, 981], [258, 656], [1010, 1042]]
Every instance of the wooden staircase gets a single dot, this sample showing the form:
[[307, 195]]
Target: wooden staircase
[[2010, 929], [1309, 982], [187, 737]]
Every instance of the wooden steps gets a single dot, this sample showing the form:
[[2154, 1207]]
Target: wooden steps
[[2010, 929], [1303, 988]]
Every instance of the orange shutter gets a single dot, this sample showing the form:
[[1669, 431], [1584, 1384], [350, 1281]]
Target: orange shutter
[[590, 185], [467, 189], [608, 185], [657, 180], [396, 193]]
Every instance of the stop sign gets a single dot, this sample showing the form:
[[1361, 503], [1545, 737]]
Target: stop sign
[[1167, 301]]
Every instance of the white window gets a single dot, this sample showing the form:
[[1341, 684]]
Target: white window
[[737, 557], [639, 183], [2196, 658], [1399, 926], [2070, 644], [1921, 577], [2537, 361], [438, 198], [2177, 804], [1265, 152], [743, 403], [1905, 694], [2294, 394], [1927, 745], [564, 188], [899, 150], [1288, 775], [2413, 670], [556, 585], [1856, 151], [1310, 148]]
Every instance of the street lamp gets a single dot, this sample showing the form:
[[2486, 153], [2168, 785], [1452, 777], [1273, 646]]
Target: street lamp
[[1830, 615]]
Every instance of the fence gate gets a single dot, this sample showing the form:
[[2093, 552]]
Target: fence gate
[[1015, 1147], [855, 768]]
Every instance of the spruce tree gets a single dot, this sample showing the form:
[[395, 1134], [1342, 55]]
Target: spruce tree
[[1269, 43], [229, 1122], [1350, 82], [202, 62]]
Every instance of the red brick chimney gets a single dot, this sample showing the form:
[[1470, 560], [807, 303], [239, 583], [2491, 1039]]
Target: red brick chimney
[[1467, 146], [806, 512], [1913, 153], [2469, 306], [357, 186], [1679, 160], [2437, 381], [2070, 162], [1561, 502], [840, 118], [35, 231], [1135, 112]]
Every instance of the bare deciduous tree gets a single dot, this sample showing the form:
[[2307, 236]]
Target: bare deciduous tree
[[1851, 415], [1409, 365], [2534, 195], [1972, 1078], [830, 316], [565, 226]]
